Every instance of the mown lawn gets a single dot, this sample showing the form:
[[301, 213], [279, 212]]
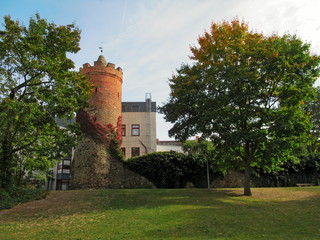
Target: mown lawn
[[272, 213]]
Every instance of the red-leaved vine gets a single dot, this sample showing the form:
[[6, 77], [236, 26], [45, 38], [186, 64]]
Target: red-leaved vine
[[105, 134]]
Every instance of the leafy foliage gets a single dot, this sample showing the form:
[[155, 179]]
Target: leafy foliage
[[163, 168], [97, 131], [171, 169], [246, 92], [108, 135], [204, 151], [307, 170], [313, 109], [196, 147], [14, 196], [37, 85]]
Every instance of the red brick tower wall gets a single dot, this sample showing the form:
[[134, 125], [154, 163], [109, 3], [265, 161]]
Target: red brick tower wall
[[107, 92]]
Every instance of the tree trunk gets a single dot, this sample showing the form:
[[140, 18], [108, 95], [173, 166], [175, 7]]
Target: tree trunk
[[6, 158], [247, 188], [6, 173], [6, 154]]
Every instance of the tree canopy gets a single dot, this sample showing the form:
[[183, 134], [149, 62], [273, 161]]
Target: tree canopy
[[244, 91], [313, 108], [37, 85]]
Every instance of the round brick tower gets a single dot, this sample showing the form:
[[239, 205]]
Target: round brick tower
[[92, 164], [107, 93]]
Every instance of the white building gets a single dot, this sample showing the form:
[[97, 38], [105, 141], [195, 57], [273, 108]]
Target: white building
[[138, 127], [171, 145], [59, 176]]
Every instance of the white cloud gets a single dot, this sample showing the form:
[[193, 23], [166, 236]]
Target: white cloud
[[156, 37], [149, 39]]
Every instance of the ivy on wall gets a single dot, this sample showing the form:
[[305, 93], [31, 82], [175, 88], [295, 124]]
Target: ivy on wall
[[105, 134]]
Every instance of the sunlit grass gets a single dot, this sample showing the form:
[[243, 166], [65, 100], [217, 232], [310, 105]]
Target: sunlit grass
[[272, 213]]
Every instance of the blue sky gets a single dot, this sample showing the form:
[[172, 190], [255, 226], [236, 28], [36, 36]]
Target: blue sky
[[149, 39]]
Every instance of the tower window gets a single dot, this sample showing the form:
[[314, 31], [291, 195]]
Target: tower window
[[123, 129], [135, 130]]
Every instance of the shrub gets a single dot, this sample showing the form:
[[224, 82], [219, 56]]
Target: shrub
[[169, 169], [306, 171], [14, 196]]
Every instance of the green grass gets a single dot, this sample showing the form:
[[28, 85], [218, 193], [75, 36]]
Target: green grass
[[14, 196], [272, 213]]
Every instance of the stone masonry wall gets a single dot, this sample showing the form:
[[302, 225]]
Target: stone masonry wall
[[90, 167], [93, 167]]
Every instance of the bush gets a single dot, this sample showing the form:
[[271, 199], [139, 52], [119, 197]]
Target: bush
[[14, 196], [169, 169], [306, 171]]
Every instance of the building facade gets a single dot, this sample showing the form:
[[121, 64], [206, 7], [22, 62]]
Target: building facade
[[170, 145], [59, 176], [138, 127]]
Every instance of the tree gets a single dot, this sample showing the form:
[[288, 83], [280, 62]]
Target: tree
[[313, 108], [204, 151], [244, 91], [37, 85]]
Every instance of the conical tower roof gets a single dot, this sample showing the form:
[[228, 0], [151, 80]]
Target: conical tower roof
[[102, 59]]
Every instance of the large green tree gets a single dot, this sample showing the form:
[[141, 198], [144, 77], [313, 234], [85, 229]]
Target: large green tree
[[37, 85], [245, 91], [313, 108]]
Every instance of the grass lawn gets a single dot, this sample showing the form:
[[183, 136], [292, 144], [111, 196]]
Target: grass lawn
[[272, 213]]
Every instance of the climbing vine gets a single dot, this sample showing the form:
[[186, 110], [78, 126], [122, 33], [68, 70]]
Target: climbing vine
[[106, 134]]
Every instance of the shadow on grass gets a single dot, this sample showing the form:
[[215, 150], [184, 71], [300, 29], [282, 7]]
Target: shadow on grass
[[189, 213], [234, 216]]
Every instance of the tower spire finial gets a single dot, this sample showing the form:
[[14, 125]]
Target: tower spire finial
[[101, 47]]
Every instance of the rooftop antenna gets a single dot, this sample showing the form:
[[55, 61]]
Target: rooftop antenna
[[148, 102], [148, 96]]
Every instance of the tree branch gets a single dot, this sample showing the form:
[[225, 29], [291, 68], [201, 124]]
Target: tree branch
[[27, 144]]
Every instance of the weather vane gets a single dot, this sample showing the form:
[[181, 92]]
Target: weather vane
[[101, 47]]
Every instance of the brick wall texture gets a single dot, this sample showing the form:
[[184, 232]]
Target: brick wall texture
[[107, 92]]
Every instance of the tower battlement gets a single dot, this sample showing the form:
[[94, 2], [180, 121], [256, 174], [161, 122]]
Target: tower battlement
[[107, 90], [101, 66]]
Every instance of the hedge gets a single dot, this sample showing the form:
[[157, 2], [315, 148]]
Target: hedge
[[171, 169]]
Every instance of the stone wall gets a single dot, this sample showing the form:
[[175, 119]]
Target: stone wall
[[90, 166], [93, 167], [232, 179]]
